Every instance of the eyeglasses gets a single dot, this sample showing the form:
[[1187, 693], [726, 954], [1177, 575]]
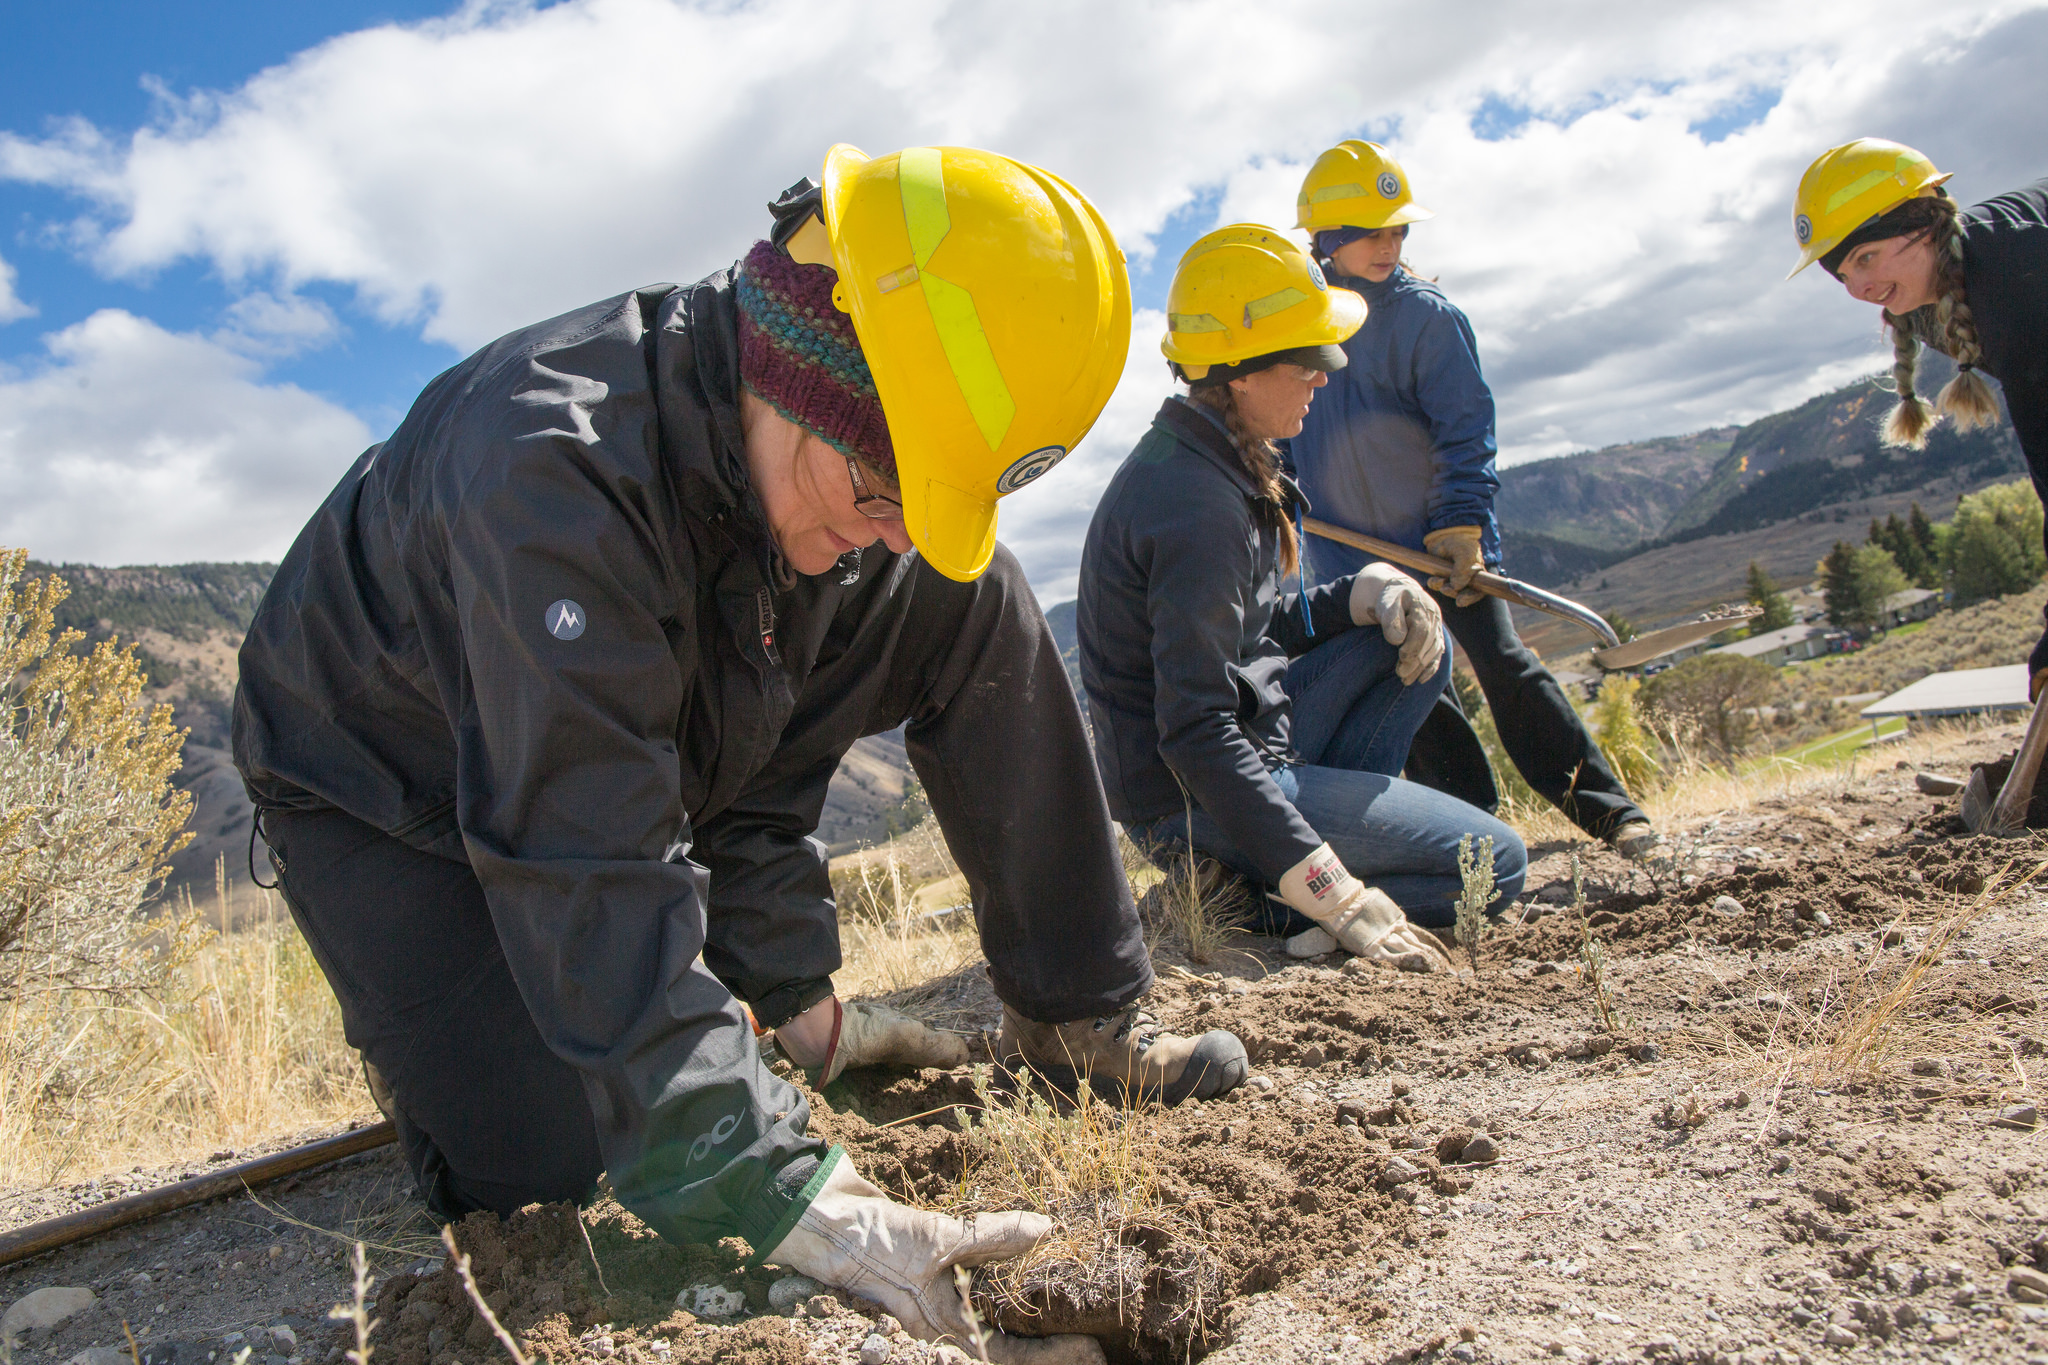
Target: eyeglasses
[[868, 503]]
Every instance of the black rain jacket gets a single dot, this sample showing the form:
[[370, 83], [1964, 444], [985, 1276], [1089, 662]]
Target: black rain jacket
[[540, 631], [2005, 280]]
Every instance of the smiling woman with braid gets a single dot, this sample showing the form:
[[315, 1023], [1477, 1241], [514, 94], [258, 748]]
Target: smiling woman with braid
[[1972, 283]]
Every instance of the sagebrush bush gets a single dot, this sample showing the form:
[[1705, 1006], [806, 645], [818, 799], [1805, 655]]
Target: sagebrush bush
[[87, 812], [1630, 751]]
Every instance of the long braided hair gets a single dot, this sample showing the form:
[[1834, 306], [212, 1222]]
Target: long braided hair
[[1946, 324], [1261, 460]]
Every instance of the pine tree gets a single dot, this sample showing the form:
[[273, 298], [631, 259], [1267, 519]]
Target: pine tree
[[1857, 581], [1922, 531], [1764, 593], [1836, 583]]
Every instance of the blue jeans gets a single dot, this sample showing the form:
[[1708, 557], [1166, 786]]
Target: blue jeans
[[1350, 710], [1395, 835]]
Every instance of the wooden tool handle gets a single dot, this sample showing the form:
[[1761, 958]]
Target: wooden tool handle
[[37, 1238], [1492, 584], [2010, 812]]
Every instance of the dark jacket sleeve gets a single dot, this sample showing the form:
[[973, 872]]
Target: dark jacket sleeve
[[1328, 605], [1199, 571], [1459, 409], [570, 806]]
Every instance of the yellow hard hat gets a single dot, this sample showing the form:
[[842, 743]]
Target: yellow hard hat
[[1245, 291], [1356, 184], [994, 311], [1851, 184]]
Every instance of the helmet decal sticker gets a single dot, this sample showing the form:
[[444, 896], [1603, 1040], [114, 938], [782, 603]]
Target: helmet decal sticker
[[1802, 228], [564, 619], [1390, 185], [1029, 468], [1315, 272]]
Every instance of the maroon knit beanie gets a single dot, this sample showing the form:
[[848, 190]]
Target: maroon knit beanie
[[799, 353]]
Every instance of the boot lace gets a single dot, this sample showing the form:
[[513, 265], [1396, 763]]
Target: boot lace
[[1132, 1020]]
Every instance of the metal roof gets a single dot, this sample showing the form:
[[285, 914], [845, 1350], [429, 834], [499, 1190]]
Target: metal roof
[[1958, 693], [1756, 646]]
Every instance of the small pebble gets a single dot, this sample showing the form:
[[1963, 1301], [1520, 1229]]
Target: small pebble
[[787, 1294], [1262, 1084], [2020, 1116], [1727, 906], [712, 1301], [821, 1306], [1480, 1150], [42, 1308], [874, 1350], [2027, 1284]]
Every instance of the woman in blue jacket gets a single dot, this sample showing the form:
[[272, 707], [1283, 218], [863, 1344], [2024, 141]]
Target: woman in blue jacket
[[1262, 726], [1402, 448]]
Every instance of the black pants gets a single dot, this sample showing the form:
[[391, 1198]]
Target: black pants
[[1542, 734], [492, 1119], [489, 1118]]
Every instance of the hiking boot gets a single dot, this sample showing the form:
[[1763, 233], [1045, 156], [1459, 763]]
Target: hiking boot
[[1635, 840], [1125, 1052]]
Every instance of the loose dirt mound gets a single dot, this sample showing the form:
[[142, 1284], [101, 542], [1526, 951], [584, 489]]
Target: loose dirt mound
[[537, 1273]]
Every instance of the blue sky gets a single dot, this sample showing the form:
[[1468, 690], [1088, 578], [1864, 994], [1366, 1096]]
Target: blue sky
[[107, 62], [235, 240]]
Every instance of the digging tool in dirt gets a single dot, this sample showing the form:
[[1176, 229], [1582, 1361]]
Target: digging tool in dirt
[[1617, 655], [2007, 816], [36, 1238]]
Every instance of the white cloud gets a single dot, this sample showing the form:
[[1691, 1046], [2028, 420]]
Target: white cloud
[[129, 444], [472, 174], [266, 324], [11, 307]]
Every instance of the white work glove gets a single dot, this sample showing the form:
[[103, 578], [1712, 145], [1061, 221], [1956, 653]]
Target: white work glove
[[1460, 545], [1364, 920], [1383, 596], [829, 1037], [856, 1238]]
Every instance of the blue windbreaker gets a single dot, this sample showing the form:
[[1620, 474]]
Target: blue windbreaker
[[1401, 442]]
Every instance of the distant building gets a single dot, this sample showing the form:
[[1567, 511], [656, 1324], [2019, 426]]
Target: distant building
[[1780, 647], [1586, 684], [1914, 604]]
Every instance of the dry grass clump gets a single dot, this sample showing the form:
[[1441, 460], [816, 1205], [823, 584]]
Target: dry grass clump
[[1852, 1024], [239, 1043], [1096, 1171], [905, 917], [1196, 905]]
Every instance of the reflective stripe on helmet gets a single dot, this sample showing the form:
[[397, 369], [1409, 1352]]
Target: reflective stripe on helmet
[[1868, 181], [921, 178]]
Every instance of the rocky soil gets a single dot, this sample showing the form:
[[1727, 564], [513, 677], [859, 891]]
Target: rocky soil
[[1793, 1119]]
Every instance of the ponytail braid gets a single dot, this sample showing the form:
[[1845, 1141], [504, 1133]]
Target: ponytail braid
[[1261, 460], [1951, 328]]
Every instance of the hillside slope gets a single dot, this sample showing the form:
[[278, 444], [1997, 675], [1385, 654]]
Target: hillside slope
[[1610, 499]]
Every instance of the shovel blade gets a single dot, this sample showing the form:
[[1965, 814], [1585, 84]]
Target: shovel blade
[[1980, 809], [1644, 648]]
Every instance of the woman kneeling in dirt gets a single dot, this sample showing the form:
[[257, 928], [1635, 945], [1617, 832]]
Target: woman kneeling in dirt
[[540, 710], [1205, 732], [1972, 284]]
